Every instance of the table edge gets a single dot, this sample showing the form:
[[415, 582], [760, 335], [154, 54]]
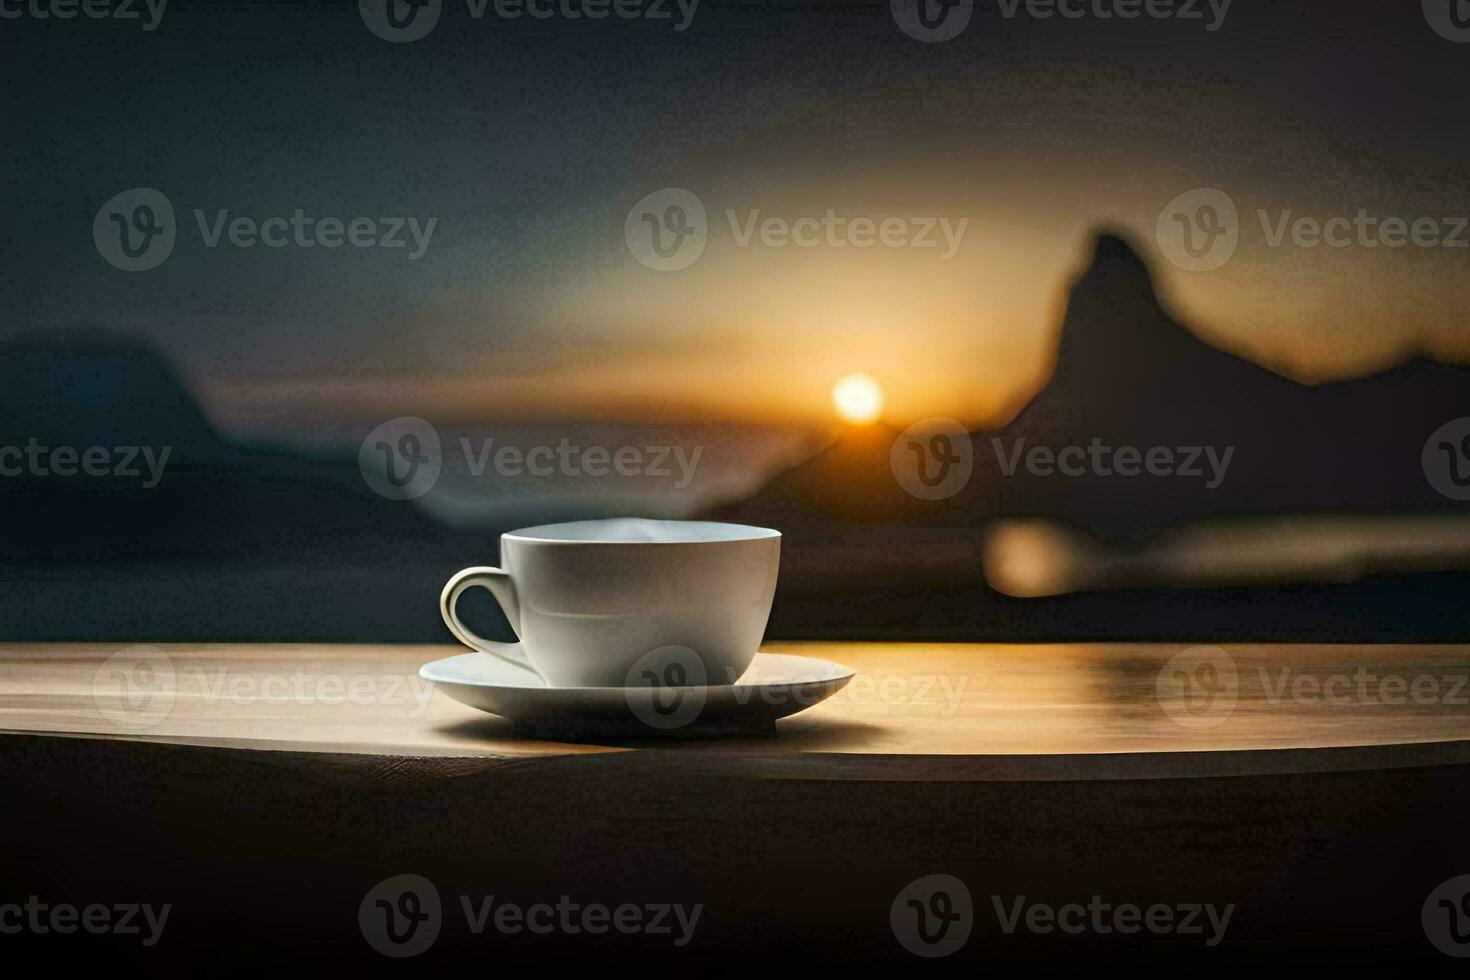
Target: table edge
[[695, 761]]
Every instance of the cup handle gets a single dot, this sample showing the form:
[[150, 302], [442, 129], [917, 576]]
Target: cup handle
[[503, 589]]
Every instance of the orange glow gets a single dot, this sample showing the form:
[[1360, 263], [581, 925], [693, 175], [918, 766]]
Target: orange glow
[[858, 399]]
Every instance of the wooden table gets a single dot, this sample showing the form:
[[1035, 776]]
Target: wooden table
[[264, 790]]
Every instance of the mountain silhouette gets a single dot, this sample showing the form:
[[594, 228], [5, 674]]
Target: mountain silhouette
[[862, 557], [1127, 375], [208, 496], [228, 542], [238, 542], [87, 389]]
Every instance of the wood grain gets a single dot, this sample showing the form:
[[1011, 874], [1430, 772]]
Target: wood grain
[[1074, 706], [1048, 771]]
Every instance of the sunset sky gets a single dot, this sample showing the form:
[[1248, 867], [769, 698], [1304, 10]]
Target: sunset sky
[[529, 142]]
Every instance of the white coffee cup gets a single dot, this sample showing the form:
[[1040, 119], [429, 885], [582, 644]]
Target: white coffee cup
[[610, 603]]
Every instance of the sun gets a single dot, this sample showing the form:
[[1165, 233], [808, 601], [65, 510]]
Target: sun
[[858, 399]]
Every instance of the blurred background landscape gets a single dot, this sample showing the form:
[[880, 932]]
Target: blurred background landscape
[[1319, 389]]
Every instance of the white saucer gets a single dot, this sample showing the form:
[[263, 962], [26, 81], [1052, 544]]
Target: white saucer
[[775, 685]]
